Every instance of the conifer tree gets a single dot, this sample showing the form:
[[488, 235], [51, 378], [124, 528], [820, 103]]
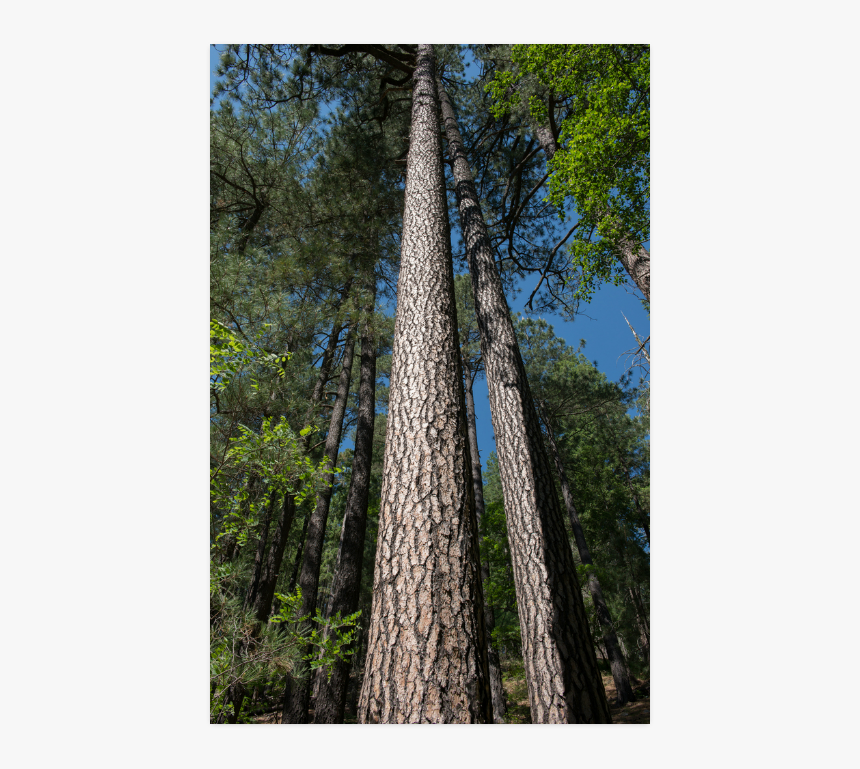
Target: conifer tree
[[470, 354], [561, 667], [426, 658], [331, 697]]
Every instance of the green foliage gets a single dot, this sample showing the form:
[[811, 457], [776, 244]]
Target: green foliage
[[259, 466], [603, 163], [499, 589], [330, 640], [603, 443], [244, 654], [274, 458]]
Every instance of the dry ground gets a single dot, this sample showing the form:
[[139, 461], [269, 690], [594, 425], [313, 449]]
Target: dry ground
[[638, 712]]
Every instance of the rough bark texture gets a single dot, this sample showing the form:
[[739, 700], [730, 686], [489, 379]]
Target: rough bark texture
[[331, 697], [620, 674], [496, 689], [297, 696], [561, 666], [633, 255], [427, 657]]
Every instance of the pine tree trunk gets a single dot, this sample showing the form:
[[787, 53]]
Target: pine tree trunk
[[642, 622], [427, 653], [254, 585], [299, 553], [633, 255], [272, 565], [561, 666], [496, 688], [296, 704], [331, 697], [620, 674], [643, 516], [325, 364], [261, 591]]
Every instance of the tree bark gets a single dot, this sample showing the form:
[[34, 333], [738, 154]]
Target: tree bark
[[325, 364], [633, 255], [620, 674], [299, 553], [496, 688], [296, 704], [331, 698], [427, 653], [642, 622], [254, 585], [561, 666], [272, 566]]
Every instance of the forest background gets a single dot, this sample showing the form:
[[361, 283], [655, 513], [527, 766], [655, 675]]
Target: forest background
[[601, 322], [747, 348]]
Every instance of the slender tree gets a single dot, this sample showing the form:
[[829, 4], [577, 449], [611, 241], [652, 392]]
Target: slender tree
[[297, 692], [331, 697], [470, 354], [561, 666], [620, 674]]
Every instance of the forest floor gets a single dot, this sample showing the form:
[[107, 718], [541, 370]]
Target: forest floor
[[514, 682], [638, 712]]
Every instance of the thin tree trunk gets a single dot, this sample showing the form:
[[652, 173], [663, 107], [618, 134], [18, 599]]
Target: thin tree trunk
[[427, 651], [325, 364], [254, 585], [299, 552], [296, 705], [249, 224], [346, 587], [633, 255], [231, 550], [643, 516], [272, 567], [496, 689], [642, 622], [561, 666], [620, 674]]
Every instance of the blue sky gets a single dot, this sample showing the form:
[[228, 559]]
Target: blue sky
[[601, 325], [606, 335]]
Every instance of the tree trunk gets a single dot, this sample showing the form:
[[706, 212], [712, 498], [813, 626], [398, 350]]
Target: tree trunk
[[272, 567], [642, 622], [299, 553], [249, 224], [633, 255], [620, 674], [325, 364], [296, 705], [496, 689], [254, 585], [427, 652], [561, 666], [331, 697], [643, 516]]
